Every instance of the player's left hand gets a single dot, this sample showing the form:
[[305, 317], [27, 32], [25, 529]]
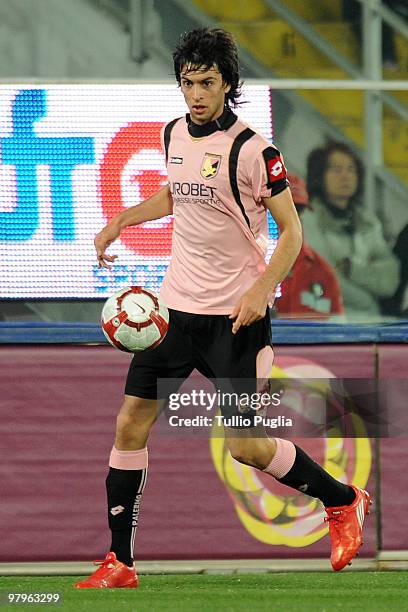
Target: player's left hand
[[251, 306]]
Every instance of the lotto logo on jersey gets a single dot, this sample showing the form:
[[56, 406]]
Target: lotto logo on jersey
[[274, 166], [276, 169], [210, 166]]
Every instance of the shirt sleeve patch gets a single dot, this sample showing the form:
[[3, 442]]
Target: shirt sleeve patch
[[275, 170]]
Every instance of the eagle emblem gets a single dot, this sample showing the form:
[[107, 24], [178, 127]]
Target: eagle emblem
[[210, 166]]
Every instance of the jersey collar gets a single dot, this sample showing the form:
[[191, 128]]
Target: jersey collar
[[225, 121]]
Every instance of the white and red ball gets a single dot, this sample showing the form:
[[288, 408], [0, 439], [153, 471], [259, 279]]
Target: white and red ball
[[134, 319]]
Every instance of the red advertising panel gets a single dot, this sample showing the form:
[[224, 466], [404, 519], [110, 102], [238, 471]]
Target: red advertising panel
[[393, 365], [198, 503]]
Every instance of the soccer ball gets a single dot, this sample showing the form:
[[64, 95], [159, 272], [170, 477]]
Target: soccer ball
[[134, 319]]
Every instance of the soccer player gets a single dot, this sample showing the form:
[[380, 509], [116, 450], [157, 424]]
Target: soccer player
[[222, 179]]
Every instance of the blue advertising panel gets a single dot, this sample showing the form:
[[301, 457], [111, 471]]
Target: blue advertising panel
[[71, 157]]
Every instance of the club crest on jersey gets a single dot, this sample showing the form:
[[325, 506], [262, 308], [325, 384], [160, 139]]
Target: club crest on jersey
[[210, 166]]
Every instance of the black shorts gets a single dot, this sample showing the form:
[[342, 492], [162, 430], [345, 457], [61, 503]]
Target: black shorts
[[204, 342]]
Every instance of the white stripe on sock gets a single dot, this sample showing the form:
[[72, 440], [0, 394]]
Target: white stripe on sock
[[134, 527]]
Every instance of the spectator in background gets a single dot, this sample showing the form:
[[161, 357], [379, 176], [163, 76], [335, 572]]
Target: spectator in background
[[345, 233], [397, 305], [311, 289]]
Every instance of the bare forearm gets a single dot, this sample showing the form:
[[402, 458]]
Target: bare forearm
[[159, 205], [253, 303], [283, 258], [289, 243]]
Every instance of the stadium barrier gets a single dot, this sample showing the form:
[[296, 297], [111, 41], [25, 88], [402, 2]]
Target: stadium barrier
[[61, 388]]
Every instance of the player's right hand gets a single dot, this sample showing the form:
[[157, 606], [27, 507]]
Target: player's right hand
[[102, 241]]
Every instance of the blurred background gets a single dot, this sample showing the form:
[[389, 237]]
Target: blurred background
[[328, 69], [85, 87]]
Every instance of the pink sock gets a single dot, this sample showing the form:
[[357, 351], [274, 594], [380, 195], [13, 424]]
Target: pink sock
[[283, 459], [128, 460]]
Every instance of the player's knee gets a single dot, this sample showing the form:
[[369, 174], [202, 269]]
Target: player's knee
[[242, 452], [255, 452], [135, 419], [126, 423]]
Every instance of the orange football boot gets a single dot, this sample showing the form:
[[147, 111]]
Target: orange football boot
[[346, 528], [111, 574]]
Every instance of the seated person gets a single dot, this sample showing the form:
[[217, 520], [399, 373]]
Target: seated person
[[397, 305], [346, 233], [311, 289]]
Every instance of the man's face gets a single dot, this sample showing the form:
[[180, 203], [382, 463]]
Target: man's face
[[204, 92]]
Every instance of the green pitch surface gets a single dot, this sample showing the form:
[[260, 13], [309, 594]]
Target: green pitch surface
[[287, 592]]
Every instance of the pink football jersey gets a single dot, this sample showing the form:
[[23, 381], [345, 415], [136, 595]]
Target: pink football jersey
[[218, 174]]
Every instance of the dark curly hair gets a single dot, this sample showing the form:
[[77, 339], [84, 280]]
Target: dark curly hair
[[205, 47], [317, 164]]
